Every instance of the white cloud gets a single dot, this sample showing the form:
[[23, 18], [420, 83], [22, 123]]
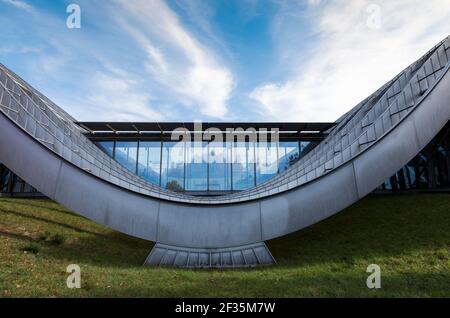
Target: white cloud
[[352, 58], [20, 4], [119, 98], [176, 59]]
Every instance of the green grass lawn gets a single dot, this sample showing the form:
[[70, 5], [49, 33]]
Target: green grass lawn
[[408, 236]]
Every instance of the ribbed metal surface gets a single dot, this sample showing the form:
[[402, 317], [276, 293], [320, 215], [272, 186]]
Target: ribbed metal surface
[[242, 256]]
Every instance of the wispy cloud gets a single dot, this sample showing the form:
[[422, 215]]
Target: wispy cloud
[[239, 60], [20, 4], [120, 97], [176, 59], [360, 46]]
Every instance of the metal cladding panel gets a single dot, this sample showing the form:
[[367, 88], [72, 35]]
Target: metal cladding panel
[[385, 157], [206, 227], [95, 199], [398, 147], [304, 206], [434, 115], [28, 159]]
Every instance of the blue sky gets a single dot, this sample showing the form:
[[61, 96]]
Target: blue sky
[[216, 60]]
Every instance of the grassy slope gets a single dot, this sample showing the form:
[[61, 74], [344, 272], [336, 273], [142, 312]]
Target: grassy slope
[[407, 235]]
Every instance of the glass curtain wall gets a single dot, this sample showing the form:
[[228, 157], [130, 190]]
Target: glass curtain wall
[[126, 153], [149, 161], [288, 154], [5, 176], [201, 166], [220, 158], [196, 166], [243, 165], [172, 167], [108, 147], [266, 161]]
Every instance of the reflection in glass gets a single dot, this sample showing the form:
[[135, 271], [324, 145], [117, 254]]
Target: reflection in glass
[[243, 165], [196, 166], [202, 166], [288, 154], [126, 154], [220, 166], [5, 175], [107, 146], [266, 161], [149, 163], [172, 170]]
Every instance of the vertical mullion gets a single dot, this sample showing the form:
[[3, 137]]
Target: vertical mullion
[[207, 166], [137, 157], [160, 162], [254, 163], [278, 154], [231, 165], [184, 166]]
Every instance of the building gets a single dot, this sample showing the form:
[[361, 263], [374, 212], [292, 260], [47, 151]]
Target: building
[[213, 204], [153, 156], [196, 168]]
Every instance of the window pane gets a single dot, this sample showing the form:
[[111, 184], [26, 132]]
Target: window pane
[[220, 166], [4, 178], [172, 171], [17, 185], [288, 154], [307, 146], [150, 161], [267, 161], [196, 166], [126, 154], [243, 165], [107, 146]]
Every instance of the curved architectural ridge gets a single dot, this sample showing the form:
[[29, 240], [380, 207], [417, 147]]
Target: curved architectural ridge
[[41, 143]]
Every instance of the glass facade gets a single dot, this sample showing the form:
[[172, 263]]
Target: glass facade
[[219, 167], [288, 154], [266, 161], [172, 167], [243, 172], [107, 146], [13, 185], [149, 161], [126, 153], [201, 167], [234, 166], [196, 166]]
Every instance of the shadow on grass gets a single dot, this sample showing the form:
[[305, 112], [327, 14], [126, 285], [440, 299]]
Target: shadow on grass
[[44, 204], [102, 252], [375, 228], [42, 219]]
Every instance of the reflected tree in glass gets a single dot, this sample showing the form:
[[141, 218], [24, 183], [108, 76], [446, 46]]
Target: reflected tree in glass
[[172, 168]]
